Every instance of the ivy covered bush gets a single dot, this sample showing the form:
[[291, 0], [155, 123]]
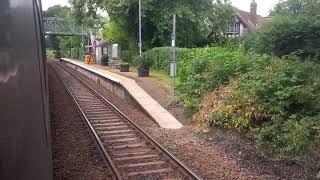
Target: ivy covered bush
[[278, 106], [202, 70]]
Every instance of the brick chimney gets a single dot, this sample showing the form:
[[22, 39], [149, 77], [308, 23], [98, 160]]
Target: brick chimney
[[253, 11]]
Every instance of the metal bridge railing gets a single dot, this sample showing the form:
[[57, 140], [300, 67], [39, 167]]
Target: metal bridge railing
[[58, 26]]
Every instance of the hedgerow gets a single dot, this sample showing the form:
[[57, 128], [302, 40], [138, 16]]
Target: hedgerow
[[279, 106], [203, 70], [276, 101], [162, 56]]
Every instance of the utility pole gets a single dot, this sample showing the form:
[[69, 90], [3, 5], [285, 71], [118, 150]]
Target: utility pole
[[140, 34], [82, 41], [173, 64], [71, 40]]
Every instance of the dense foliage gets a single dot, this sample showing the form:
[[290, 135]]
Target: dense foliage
[[202, 70], [143, 62], [272, 97], [294, 8], [57, 11], [50, 54], [52, 42], [62, 46], [70, 46], [197, 20], [279, 106], [85, 12], [129, 55], [115, 33], [294, 29], [285, 35], [76, 53], [161, 57]]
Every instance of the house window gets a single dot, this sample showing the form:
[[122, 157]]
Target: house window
[[104, 50], [234, 29]]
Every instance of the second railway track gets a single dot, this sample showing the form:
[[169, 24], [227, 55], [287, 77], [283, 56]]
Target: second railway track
[[130, 151]]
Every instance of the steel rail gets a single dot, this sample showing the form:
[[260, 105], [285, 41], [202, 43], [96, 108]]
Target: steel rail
[[145, 134], [96, 137]]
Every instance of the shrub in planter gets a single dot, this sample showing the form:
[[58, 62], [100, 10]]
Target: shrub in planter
[[144, 65], [128, 55], [104, 60], [124, 67], [143, 72]]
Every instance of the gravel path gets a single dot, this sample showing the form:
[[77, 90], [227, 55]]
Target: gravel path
[[75, 155]]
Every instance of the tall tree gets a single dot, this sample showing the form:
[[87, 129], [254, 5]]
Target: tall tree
[[52, 42], [61, 44], [221, 16], [57, 11], [86, 12], [192, 19], [308, 8]]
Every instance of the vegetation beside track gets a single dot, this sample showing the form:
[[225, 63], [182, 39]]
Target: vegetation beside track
[[264, 86], [273, 99]]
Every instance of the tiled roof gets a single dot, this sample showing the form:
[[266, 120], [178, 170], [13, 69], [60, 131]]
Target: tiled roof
[[102, 43], [245, 17]]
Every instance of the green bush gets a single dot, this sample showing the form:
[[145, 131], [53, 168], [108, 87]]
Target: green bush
[[203, 70], [104, 60], [162, 56], [65, 53], [50, 54], [128, 55], [286, 35], [279, 106], [76, 53], [143, 62], [229, 43], [57, 54]]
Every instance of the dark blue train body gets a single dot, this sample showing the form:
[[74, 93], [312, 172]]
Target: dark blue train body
[[24, 117]]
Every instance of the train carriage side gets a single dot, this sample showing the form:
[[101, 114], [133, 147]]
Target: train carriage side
[[25, 151]]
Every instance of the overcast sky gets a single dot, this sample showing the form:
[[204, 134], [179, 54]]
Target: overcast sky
[[264, 6]]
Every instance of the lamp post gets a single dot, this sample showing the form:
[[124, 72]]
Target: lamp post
[[174, 63], [140, 34]]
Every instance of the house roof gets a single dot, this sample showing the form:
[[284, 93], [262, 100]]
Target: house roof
[[103, 43], [245, 17]]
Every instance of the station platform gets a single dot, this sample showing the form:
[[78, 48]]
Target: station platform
[[160, 115]]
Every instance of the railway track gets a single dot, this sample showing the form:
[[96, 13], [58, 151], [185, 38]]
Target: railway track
[[130, 151]]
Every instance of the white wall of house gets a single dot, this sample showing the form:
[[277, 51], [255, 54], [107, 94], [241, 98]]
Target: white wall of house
[[115, 51], [242, 29], [98, 54], [237, 29]]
